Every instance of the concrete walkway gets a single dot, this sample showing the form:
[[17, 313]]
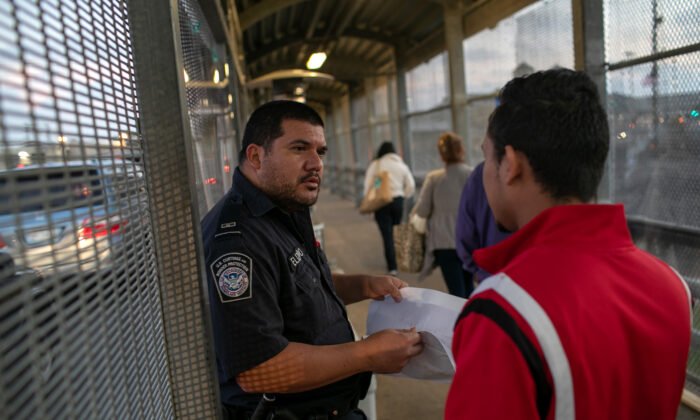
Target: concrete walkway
[[353, 244]]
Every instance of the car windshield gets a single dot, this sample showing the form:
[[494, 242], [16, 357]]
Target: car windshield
[[49, 188]]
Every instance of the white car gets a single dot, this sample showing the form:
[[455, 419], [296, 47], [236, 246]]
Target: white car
[[66, 217]]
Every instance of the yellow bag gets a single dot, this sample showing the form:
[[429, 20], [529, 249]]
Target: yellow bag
[[378, 196]]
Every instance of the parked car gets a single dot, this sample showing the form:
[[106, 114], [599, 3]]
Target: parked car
[[17, 308], [65, 217]]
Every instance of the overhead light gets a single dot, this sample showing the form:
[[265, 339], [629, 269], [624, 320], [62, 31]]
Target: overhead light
[[230, 98], [226, 69], [299, 91], [187, 77], [216, 76], [316, 60]]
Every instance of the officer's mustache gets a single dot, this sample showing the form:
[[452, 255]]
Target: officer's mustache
[[312, 175]]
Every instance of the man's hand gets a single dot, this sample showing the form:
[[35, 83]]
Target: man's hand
[[376, 287], [353, 288], [388, 351]]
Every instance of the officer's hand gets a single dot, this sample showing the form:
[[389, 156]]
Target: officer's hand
[[379, 286], [388, 351]]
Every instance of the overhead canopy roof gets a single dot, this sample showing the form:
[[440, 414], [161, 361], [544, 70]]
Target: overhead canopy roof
[[360, 37]]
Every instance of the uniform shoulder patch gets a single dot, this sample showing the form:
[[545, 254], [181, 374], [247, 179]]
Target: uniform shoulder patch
[[233, 274]]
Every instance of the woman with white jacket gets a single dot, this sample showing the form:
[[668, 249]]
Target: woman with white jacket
[[402, 185]]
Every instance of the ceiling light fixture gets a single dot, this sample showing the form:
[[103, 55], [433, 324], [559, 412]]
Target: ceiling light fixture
[[316, 60]]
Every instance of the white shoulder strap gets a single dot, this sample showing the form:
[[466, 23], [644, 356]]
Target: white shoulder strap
[[546, 335]]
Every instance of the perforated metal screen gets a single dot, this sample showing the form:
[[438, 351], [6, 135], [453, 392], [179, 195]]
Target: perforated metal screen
[[81, 328], [210, 106], [537, 37], [653, 90]]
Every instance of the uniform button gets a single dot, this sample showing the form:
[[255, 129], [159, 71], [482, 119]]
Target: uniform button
[[315, 280], [335, 412]]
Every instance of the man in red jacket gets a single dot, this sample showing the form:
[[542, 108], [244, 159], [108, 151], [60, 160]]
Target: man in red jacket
[[577, 322]]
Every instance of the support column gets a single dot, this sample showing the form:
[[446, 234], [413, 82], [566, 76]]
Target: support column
[[371, 119], [589, 56], [169, 167], [589, 43], [454, 35], [393, 109], [404, 130]]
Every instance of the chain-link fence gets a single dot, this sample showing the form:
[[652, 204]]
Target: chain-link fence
[[653, 90], [538, 37]]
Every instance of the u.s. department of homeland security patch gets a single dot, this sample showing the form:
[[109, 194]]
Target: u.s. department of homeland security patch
[[233, 273]]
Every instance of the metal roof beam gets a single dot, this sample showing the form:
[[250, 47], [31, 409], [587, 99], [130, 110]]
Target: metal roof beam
[[314, 19], [356, 6], [260, 11]]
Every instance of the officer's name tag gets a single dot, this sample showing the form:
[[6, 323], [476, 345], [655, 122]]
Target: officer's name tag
[[295, 259], [233, 273]]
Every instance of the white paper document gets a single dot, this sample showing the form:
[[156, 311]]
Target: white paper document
[[433, 314]]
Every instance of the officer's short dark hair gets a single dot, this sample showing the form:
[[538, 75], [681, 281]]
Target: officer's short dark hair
[[556, 120], [265, 123]]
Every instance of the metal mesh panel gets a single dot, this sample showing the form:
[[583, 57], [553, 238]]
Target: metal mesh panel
[[210, 105], [636, 28], [654, 114], [330, 170], [359, 109], [478, 113], [380, 98], [342, 129], [537, 38], [81, 331], [424, 131], [360, 132], [380, 133], [655, 139], [363, 148], [427, 85]]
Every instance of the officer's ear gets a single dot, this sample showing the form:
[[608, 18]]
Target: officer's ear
[[255, 154]]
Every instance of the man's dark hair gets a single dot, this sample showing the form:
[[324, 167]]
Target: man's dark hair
[[385, 148], [555, 119], [265, 123]]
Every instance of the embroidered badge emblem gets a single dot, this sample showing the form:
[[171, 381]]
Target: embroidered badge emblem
[[233, 273]]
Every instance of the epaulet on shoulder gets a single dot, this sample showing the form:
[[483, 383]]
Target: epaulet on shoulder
[[229, 217]]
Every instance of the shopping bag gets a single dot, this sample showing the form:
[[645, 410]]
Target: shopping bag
[[410, 248], [378, 196]]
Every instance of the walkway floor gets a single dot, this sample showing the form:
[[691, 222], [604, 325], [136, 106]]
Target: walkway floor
[[353, 244]]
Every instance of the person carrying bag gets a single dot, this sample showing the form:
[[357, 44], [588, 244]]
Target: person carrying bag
[[387, 177]]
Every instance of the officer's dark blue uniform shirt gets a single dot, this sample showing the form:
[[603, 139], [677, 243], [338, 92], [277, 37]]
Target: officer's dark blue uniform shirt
[[269, 284]]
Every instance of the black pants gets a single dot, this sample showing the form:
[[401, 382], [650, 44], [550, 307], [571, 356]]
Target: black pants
[[459, 282], [386, 218], [234, 413]]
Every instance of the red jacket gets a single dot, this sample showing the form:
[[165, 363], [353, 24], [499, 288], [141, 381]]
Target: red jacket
[[578, 323]]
